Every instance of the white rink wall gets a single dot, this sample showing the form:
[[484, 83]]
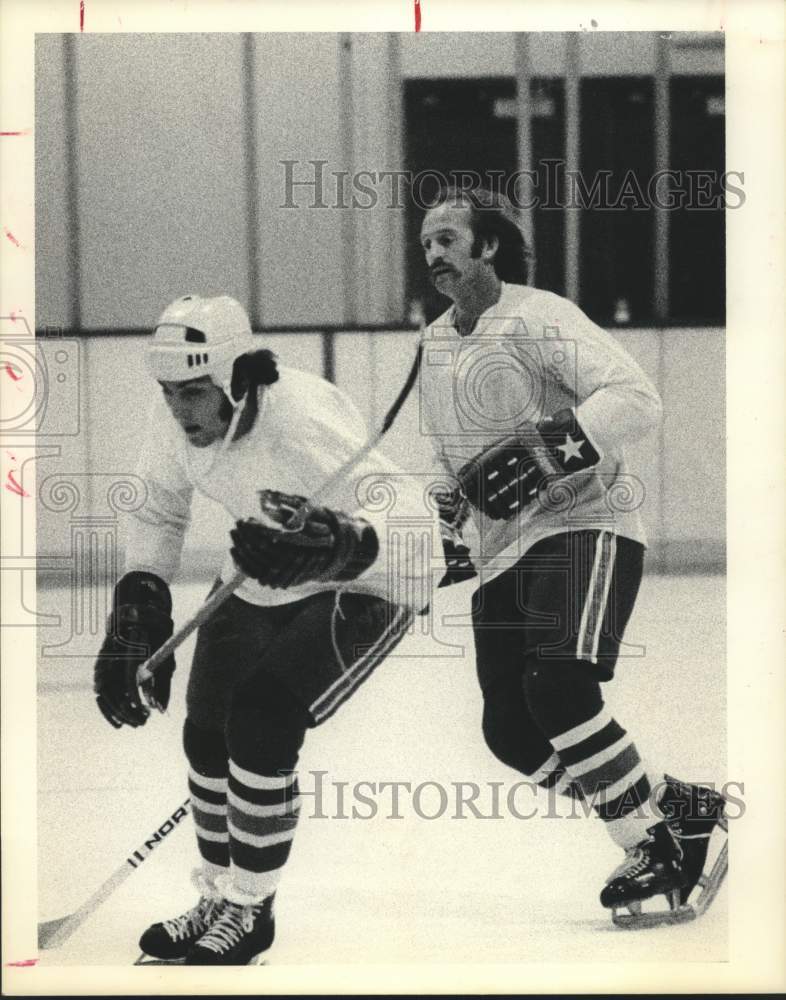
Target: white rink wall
[[682, 464]]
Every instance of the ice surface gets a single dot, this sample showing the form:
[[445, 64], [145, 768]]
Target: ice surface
[[382, 889]]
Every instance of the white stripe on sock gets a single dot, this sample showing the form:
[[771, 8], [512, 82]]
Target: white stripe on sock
[[208, 807], [219, 838], [608, 794], [252, 886], [582, 731], [255, 840], [546, 769], [252, 809], [260, 781], [590, 763], [629, 830], [212, 784]]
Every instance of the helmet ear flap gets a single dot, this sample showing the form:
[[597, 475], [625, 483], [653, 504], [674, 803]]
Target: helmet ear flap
[[255, 369], [240, 378]]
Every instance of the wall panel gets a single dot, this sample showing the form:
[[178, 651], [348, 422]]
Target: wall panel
[[161, 183]]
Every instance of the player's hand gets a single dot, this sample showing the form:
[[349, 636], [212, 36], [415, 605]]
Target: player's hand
[[304, 543], [140, 624], [506, 476]]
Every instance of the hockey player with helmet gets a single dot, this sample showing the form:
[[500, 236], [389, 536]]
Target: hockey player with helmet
[[326, 600], [532, 414]]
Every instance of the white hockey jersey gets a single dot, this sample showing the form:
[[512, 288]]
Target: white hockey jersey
[[305, 430], [531, 354]]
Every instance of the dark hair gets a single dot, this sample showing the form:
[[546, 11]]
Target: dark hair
[[248, 373], [492, 215]]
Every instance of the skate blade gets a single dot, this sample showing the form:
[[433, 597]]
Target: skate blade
[[660, 918], [710, 884], [716, 867], [260, 959], [633, 916], [149, 960]]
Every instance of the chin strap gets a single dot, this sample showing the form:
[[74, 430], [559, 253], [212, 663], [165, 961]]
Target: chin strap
[[238, 409]]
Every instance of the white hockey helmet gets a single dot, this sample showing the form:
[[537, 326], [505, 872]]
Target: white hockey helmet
[[196, 337]]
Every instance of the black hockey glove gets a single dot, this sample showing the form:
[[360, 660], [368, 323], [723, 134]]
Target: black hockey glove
[[453, 513], [506, 477], [312, 543], [139, 625]]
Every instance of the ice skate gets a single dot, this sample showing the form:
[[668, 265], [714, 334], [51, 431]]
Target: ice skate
[[239, 935], [171, 940], [652, 868], [695, 815]]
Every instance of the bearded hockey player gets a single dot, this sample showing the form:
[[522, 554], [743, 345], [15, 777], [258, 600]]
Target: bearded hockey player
[[320, 610], [532, 407]]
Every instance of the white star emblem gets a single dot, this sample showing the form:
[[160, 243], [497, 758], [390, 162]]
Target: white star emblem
[[571, 449]]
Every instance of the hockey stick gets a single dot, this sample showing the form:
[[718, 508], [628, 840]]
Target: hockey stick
[[52, 933], [146, 670]]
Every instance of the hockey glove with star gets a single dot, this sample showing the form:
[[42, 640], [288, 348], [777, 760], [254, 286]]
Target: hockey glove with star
[[139, 625], [306, 543], [453, 513], [506, 477]]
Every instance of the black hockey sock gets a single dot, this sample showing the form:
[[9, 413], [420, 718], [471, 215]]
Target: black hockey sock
[[595, 750], [265, 731], [207, 781], [263, 814], [553, 777]]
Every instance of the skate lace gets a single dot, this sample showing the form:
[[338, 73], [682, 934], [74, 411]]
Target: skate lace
[[233, 923], [195, 922], [634, 863]]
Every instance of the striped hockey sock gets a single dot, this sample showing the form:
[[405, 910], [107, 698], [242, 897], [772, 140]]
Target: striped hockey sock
[[209, 809], [552, 776], [263, 814], [603, 761]]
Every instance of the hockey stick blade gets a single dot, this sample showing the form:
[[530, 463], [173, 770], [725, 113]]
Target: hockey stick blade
[[53, 933]]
